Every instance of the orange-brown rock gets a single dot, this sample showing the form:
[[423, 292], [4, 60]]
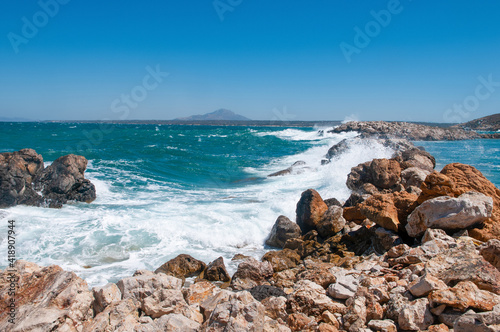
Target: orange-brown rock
[[456, 179], [182, 266], [310, 210], [282, 259], [385, 173], [381, 210], [465, 295], [353, 213]]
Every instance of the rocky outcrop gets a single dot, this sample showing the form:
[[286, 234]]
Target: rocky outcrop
[[182, 266], [487, 123], [410, 131], [297, 167], [283, 229], [24, 180]]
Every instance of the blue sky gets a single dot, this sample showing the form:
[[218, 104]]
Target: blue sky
[[413, 60]]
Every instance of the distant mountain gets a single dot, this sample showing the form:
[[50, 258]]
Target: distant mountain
[[487, 123], [221, 114]]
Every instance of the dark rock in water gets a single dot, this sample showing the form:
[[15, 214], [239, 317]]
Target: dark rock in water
[[411, 131], [22, 174], [332, 201], [283, 230], [182, 266], [338, 148], [17, 172], [264, 291], [358, 176], [310, 210], [332, 222], [297, 168], [64, 180], [216, 271]]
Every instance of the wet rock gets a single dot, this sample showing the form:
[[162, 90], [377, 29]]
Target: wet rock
[[182, 266], [283, 230], [491, 252], [282, 259], [297, 168], [450, 213], [338, 148], [64, 180], [17, 172], [465, 295], [332, 222], [264, 291], [332, 201], [47, 298], [104, 296], [416, 316], [385, 173], [310, 210], [358, 177], [479, 322], [251, 273], [216, 271]]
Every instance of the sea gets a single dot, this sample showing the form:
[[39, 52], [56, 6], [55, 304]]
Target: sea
[[164, 190]]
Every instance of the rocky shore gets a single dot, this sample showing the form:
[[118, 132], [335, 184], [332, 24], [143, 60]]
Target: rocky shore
[[405, 130], [412, 249]]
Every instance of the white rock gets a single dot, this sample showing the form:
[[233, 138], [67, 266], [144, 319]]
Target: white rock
[[450, 213], [416, 316]]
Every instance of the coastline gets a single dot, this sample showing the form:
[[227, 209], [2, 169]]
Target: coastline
[[309, 285]]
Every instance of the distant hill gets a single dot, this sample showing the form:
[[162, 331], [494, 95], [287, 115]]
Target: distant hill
[[7, 119], [487, 123], [221, 114]]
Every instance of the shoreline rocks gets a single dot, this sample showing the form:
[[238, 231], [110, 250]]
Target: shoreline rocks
[[406, 252], [25, 180]]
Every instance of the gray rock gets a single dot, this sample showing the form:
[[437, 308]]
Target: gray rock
[[332, 222], [479, 322], [176, 322], [283, 229], [450, 213], [104, 296]]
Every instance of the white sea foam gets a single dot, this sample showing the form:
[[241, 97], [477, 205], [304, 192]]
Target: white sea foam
[[130, 226]]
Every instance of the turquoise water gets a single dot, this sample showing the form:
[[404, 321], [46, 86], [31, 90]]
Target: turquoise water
[[201, 190]]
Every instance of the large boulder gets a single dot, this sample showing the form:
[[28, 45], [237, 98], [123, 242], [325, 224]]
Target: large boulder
[[310, 210], [17, 172], [385, 173], [381, 210], [283, 229], [450, 214], [47, 299], [64, 180], [182, 266], [465, 295], [456, 179]]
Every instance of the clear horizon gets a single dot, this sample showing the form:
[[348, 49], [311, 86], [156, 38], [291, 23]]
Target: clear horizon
[[384, 60]]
